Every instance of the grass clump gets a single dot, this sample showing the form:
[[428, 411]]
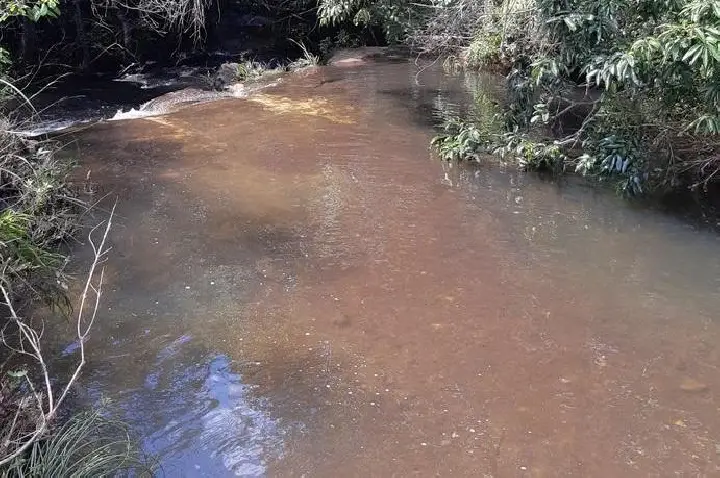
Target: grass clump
[[89, 444], [249, 70], [39, 214], [306, 60]]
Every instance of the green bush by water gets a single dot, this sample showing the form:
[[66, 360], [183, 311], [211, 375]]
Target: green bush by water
[[641, 78]]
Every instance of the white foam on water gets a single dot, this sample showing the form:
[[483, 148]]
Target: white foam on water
[[147, 82], [133, 114], [237, 90], [149, 86], [140, 79], [47, 127]]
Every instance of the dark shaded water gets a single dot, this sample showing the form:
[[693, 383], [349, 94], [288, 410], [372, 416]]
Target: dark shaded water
[[76, 101], [297, 288]]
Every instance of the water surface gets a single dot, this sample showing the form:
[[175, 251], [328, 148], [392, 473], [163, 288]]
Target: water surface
[[297, 288]]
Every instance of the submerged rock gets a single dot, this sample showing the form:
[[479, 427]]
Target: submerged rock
[[170, 101], [693, 386], [360, 56], [226, 75]]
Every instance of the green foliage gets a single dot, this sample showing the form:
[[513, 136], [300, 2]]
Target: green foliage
[[89, 444], [640, 77], [39, 212], [485, 50], [461, 140], [612, 147], [21, 253], [396, 18], [31, 10], [532, 155], [658, 64], [501, 40]]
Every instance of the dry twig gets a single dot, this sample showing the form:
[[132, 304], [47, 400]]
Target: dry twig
[[27, 342]]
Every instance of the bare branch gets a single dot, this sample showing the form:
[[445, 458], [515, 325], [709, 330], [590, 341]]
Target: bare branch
[[30, 346]]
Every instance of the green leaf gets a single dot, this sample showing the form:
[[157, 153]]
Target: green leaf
[[713, 49], [572, 26], [692, 54]]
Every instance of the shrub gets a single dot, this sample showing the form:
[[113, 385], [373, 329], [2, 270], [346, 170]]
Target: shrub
[[39, 212], [641, 77]]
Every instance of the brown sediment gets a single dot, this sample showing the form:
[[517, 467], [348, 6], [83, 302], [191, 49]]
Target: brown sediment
[[395, 317]]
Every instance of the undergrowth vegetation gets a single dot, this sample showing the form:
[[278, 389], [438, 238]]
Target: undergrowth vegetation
[[88, 445], [624, 91], [40, 215]]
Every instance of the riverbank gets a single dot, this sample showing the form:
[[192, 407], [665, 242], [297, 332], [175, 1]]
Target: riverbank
[[650, 124], [41, 219]]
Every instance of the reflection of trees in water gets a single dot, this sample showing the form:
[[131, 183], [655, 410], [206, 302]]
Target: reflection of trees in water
[[433, 95], [543, 208], [468, 96], [571, 230], [567, 222]]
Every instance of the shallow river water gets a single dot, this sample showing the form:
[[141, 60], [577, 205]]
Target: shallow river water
[[297, 288]]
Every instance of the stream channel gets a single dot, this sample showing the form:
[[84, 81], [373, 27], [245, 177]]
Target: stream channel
[[297, 287]]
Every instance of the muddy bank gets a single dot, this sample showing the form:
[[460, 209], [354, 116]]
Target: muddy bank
[[298, 288]]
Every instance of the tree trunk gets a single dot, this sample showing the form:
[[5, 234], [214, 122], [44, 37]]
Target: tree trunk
[[81, 37], [27, 41], [127, 28]]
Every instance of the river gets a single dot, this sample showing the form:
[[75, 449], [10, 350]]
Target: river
[[296, 287]]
